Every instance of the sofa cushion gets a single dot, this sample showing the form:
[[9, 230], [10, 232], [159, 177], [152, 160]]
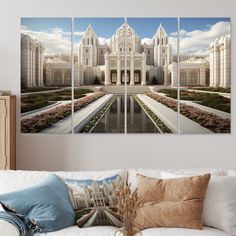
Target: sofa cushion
[[109, 231], [47, 204], [16, 180], [8, 229], [94, 201], [183, 232], [171, 202], [220, 203], [156, 173], [90, 231]]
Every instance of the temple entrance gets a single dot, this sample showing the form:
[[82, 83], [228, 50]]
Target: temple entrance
[[123, 76], [113, 76], [137, 77]]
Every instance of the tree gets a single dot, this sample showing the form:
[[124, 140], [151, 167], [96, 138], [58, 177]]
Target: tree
[[96, 81], [154, 80]]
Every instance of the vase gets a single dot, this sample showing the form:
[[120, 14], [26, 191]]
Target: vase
[[128, 232]]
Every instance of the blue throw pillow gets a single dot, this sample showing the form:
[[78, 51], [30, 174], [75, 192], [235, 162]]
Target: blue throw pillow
[[47, 204]]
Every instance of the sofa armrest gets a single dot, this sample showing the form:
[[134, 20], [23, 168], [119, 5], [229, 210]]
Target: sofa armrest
[[8, 229]]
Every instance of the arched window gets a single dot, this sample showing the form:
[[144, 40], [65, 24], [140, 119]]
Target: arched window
[[88, 41], [162, 41], [157, 41], [86, 61], [92, 40]]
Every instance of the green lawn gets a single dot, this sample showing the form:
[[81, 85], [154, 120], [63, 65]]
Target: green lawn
[[206, 99], [211, 89], [37, 101]]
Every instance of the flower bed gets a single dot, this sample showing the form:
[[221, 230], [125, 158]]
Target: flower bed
[[48, 118], [208, 120]]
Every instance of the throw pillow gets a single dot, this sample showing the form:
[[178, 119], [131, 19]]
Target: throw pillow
[[94, 201], [220, 203], [171, 203], [47, 204]]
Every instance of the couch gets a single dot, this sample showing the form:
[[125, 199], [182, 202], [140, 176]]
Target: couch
[[16, 180]]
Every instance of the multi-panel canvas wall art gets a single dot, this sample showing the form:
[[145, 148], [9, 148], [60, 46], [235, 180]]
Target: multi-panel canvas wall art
[[125, 75]]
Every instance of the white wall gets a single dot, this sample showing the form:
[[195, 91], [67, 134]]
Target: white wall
[[88, 152]]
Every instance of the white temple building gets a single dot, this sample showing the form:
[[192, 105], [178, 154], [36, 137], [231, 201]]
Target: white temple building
[[145, 62], [107, 61], [32, 59]]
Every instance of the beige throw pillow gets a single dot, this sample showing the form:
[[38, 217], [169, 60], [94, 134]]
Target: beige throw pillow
[[171, 202]]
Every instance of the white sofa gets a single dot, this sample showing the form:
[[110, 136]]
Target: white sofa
[[16, 180]]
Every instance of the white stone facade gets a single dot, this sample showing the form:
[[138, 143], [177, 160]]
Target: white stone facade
[[32, 58], [107, 62], [220, 62], [58, 72]]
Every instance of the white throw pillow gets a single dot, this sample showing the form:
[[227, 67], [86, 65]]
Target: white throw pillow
[[220, 203], [231, 173]]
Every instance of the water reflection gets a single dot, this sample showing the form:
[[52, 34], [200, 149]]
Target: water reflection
[[137, 120]]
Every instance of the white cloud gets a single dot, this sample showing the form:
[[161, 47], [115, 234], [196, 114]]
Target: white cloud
[[198, 41], [79, 33], [103, 41], [54, 40], [148, 41]]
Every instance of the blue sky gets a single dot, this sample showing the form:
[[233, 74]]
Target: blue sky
[[103, 27], [45, 24], [190, 24], [106, 27], [195, 34]]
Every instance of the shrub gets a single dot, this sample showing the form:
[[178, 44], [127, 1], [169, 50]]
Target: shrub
[[96, 81], [154, 80]]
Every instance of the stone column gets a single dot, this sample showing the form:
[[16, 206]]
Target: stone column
[[33, 66], [118, 70], [63, 78], [131, 113], [143, 69], [188, 78], [29, 69], [132, 69], [227, 61], [222, 77], [211, 59], [216, 65], [41, 58], [166, 75], [107, 71], [174, 75], [118, 99], [202, 76]]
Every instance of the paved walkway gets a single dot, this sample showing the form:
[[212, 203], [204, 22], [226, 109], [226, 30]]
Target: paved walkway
[[226, 95], [80, 117], [170, 117]]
